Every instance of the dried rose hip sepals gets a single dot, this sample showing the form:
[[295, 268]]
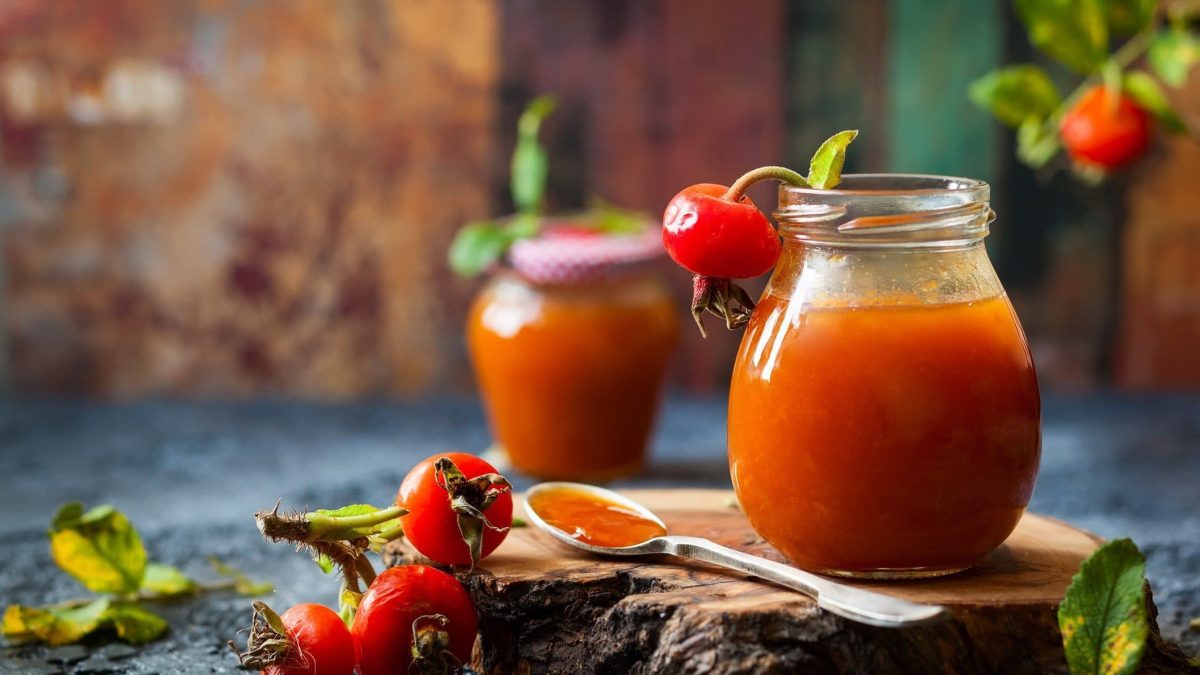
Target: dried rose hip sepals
[[431, 653], [469, 498], [721, 297], [308, 639]]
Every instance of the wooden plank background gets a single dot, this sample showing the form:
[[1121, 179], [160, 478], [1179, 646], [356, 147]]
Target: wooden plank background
[[211, 198]]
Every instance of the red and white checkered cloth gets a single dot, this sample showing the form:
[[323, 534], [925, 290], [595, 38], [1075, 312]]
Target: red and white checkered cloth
[[566, 254]]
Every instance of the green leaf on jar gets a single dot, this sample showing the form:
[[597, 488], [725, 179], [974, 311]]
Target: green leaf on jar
[[530, 164], [1015, 94], [1103, 616], [1073, 32], [1172, 54], [1126, 17], [825, 169], [1143, 88], [99, 547], [476, 247]]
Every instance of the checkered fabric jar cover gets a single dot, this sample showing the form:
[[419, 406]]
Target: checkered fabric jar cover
[[566, 254]]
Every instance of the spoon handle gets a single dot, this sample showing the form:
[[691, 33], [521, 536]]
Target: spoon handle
[[853, 603]]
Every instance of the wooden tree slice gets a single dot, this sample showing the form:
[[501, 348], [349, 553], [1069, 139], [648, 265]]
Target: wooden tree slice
[[545, 607]]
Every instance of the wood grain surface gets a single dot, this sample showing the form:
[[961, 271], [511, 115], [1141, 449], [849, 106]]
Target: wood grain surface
[[546, 607]]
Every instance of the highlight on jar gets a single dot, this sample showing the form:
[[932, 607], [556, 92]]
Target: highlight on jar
[[884, 414], [571, 333]]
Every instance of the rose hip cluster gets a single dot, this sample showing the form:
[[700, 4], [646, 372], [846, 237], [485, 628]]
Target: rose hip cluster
[[453, 509]]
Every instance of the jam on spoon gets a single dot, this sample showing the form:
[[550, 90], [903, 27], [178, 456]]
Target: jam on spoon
[[592, 519]]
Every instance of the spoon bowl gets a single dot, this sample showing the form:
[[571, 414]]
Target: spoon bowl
[[856, 604]]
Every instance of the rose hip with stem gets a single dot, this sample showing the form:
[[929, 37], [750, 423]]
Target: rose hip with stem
[[718, 234]]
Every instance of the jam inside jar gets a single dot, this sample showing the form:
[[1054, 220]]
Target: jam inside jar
[[884, 415], [571, 366]]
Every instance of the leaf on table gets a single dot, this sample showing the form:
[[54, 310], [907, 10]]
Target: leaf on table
[[1172, 54], [54, 626], [242, 584], [825, 169], [65, 625], [530, 164], [1016, 94], [1074, 32], [1126, 17], [165, 580], [1103, 616], [99, 547], [1143, 88], [135, 624]]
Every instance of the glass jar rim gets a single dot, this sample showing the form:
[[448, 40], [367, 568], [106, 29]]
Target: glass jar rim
[[888, 210]]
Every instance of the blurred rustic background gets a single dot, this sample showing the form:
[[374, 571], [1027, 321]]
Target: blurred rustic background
[[233, 197]]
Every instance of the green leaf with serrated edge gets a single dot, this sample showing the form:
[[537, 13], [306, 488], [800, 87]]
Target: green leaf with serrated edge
[[1172, 54], [1016, 94], [166, 580], [1037, 143], [1074, 32], [134, 624], [1126, 17], [1103, 616], [476, 247], [530, 164], [99, 547], [242, 584], [825, 169], [54, 626], [1143, 88]]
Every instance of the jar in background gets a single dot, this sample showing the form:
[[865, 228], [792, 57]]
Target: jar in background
[[884, 415], [570, 346]]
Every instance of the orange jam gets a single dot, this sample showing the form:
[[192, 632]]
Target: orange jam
[[571, 374], [592, 519], [887, 437]]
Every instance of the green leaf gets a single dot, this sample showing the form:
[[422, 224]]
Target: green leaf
[[54, 626], [325, 563], [1074, 32], [242, 584], [1037, 142], [99, 547], [476, 247], [1172, 54], [134, 624], [1143, 88], [57, 625], [352, 510], [1103, 616], [166, 580], [530, 164], [825, 169], [1126, 17], [611, 219], [1016, 94]]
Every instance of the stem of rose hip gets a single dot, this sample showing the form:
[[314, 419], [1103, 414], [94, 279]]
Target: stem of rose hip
[[779, 173]]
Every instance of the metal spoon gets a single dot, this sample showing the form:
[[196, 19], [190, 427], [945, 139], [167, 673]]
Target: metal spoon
[[853, 603]]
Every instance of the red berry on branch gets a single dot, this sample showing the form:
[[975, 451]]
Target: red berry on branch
[[1106, 129], [716, 237]]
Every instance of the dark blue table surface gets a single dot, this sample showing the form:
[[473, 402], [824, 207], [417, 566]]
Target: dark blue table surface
[[189, 475]]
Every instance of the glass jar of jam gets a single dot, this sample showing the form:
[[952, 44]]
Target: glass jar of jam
[[884, 416], [570, 345]]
